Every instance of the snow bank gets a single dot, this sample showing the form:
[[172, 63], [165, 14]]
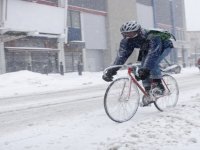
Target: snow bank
[[26, 82]]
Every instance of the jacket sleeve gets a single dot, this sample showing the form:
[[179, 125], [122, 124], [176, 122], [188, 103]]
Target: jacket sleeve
[[125, 50]]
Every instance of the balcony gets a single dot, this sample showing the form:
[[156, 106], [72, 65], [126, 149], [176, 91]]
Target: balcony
[[45, 2], [28, 16]]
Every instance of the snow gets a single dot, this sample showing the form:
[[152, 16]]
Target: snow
[[91, 129], [26, 82]]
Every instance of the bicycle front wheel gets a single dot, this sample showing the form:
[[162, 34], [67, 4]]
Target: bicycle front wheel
[[171, 94], [121, 100]]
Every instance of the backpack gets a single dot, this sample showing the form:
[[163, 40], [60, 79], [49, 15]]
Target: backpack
[[164, 34]]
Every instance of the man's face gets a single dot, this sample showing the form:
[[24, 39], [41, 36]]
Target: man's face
[[130, 34]]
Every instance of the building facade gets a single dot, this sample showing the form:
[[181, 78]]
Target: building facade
[[87, 32], [118, 13], [168, 15], [43, 26], [194, 52], [72, 32], [40, 34]]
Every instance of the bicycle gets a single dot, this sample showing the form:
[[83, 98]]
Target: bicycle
[[122, 97]]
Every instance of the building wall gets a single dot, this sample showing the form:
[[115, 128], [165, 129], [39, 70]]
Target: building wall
[[94, 35], [49, 21], [90, 4], [2, 12], [28, 16], [94, 31], [2, 19], [93, 60], [145, 2], [193, 38], [2, 59], [145, 19], [118, 13], [100, 23], [169, 15], [163, 12]]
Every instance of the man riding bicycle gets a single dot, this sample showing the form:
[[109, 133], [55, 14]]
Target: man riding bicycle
[[153, 49]]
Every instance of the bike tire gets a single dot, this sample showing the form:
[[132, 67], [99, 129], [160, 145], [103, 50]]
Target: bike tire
[[121, 100], [170, 99]]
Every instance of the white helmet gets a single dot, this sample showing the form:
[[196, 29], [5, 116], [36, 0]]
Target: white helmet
[[130, 26]]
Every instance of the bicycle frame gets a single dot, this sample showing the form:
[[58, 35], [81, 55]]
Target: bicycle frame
[[136, 82], [138, 85], [130, 72]]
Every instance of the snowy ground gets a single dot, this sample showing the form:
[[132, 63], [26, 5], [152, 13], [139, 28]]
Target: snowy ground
[[61, 122], [29, 83]]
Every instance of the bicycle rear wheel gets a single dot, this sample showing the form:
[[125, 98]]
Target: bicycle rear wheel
[[121, 100], [171, 94]]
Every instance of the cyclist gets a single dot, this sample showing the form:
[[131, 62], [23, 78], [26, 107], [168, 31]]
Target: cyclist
[[153, 49]]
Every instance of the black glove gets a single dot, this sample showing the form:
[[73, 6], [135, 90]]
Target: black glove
[[143, 73], [137, 78], [108, 76]]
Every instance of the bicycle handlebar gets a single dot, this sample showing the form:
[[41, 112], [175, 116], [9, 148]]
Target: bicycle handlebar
[[121, 66]]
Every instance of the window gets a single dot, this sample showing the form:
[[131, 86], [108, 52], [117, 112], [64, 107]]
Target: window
[[91, 4], [74, 25], [73, 19]]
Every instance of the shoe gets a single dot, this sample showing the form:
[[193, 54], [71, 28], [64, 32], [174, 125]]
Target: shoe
[[157, 87], [157, 82], [147, 89]]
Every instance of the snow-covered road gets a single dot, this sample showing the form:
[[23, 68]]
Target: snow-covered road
[[19, 112], [75, 120]]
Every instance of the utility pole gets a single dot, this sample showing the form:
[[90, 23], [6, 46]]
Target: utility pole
[[173, 54], [2, 21], [154, 13], [2, 58], [195, 54]]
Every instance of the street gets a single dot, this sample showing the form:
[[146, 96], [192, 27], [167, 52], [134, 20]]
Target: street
[[80, 113]]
